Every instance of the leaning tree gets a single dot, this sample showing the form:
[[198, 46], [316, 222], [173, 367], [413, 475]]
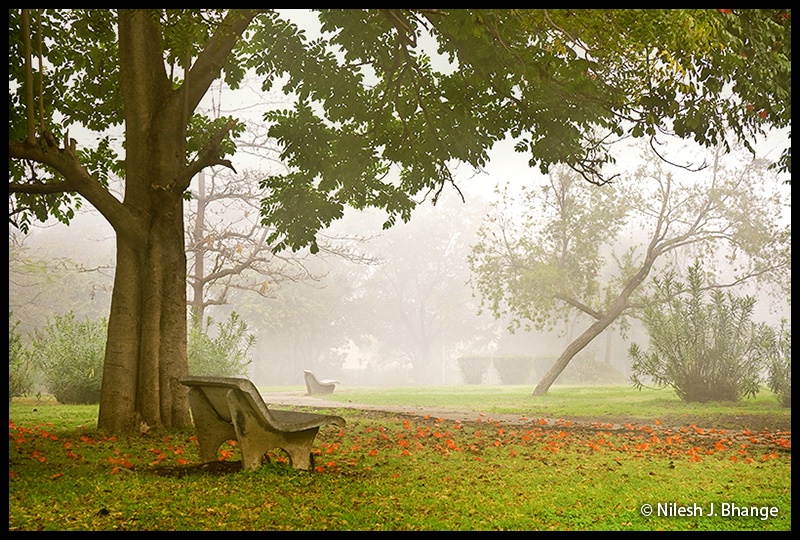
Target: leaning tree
[[553, 260], [385, 102]]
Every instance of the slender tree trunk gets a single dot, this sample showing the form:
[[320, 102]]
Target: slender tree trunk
[[569, 353], [603, 322], [197, 304]]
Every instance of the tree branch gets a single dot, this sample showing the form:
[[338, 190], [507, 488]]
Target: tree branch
[[207, 66], [76, 179], [580, 306], [208, 156]]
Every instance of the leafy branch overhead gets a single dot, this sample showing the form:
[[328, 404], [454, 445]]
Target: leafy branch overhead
[[389, 100]]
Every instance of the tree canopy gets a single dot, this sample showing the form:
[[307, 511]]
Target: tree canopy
[[564, 83], [385, 103]]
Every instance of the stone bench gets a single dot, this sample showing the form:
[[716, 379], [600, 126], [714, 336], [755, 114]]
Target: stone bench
[[315, 386], [232, 408]]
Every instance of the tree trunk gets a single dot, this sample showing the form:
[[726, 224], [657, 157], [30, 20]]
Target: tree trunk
[[197, 283], [146, 348], [569, 353], [605, 320]]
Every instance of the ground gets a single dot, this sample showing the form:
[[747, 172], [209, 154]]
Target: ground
[[735, 427], [739, 423]]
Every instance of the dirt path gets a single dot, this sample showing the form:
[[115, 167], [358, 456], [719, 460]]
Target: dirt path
[[732, 428], [455, 415]]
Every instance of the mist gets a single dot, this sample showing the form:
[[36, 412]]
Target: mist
[[399, 311]]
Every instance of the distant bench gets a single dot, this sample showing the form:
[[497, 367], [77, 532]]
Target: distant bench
[[316, 386], [232, 408]]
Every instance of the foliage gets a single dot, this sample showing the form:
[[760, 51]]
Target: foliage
[[474, 368], [523, 266], [705, 351], [557, 81], [514, 369], [70, 355], [563, 259], [224, 355], [779, 362], [390, 472], [20, 368]]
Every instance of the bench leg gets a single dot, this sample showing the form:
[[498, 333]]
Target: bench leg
[[211, 430], [255, 439], [326, 389], [298, 445]]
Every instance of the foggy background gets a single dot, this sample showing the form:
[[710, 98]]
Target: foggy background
[[396, 309]]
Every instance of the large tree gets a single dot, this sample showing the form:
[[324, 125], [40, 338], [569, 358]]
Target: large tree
[[374, 124], [553, 260]]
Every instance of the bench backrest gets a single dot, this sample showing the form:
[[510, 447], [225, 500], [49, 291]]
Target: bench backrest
[[216, 390]]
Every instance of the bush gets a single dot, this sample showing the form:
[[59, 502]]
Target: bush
[[226, 355], [473, 368], [514, 369], [70, 355], [588, 370], [20, 368], [779, 355], [706, 352]]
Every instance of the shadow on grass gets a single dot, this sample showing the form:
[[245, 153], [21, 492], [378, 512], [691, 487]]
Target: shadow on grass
[[226, 468], [213, 468]]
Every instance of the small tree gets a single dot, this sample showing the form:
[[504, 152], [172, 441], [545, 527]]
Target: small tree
[[70, 355], [779, 355], [20, 380], [226, 355], [705, 351]]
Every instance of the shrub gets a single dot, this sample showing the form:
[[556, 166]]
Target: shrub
[[226, 354], [514, 369], [705, 351], [20, 368], [588, 370], [779, 364], [473, 368], [70, 355]]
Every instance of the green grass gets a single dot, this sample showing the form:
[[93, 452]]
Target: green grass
[[587, 402], [399, 472]]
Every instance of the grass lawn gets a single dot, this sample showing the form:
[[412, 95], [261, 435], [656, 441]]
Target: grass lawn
[[397, 472], [589, 403]]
